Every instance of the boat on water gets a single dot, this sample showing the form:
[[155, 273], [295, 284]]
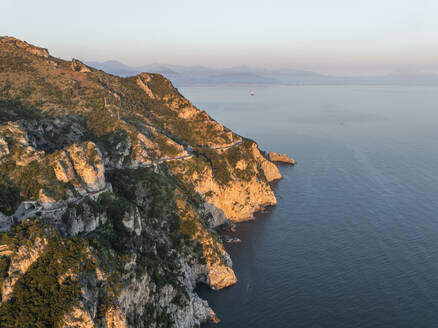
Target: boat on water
[[232, 240]]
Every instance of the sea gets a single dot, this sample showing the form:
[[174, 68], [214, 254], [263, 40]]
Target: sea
[[353, 240]]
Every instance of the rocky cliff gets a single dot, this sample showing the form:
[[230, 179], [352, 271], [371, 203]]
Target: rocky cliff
[[282, 158], [110, 192]]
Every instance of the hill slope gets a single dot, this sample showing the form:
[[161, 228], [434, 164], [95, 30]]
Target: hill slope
[[110, 191]]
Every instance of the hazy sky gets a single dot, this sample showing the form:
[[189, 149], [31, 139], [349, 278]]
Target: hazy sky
[[336, 36]]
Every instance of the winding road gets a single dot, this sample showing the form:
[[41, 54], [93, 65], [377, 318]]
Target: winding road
[[22, 212], [190, 155]]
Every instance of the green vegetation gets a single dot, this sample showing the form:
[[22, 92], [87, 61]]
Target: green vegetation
[[4, 267], [11, 110], [153, 195], [158, 189], [25, 233], [24, 172], [198, 131], [161, 86], [93, 156], [189, 226], [40, 299], [10, 199], [9, 62], [60, 96], [101, 122], [51, 285], [115, 233], [224, 163], [167, 149], [30, 179], [108, 142]]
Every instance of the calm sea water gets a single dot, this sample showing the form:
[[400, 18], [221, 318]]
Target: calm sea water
[[353, 241]]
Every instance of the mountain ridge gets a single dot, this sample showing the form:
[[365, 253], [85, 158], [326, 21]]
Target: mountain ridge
[[199, 75]]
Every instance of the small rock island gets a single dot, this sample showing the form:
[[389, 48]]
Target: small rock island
[[280, 158]]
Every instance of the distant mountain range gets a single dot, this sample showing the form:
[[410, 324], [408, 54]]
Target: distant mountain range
[[199, 75]]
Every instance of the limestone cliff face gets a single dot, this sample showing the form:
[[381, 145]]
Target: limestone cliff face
[[218, 262], [155, 146], [242, 187], [14, 143], [21, 260], [239, 201], [82, 218], [41, 52], [269, 169], [82, 165], [78, 317], [4, 149], [142, 81], [79, 166], [215, 215], [78, 66], [138, 294], [115, 318]]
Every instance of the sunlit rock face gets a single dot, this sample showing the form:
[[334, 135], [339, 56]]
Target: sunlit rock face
[[241, 188], [282, 158], [31, 49], [20, 261], [78, 66]]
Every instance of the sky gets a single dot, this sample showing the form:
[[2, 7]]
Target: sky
[[343, 37]]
